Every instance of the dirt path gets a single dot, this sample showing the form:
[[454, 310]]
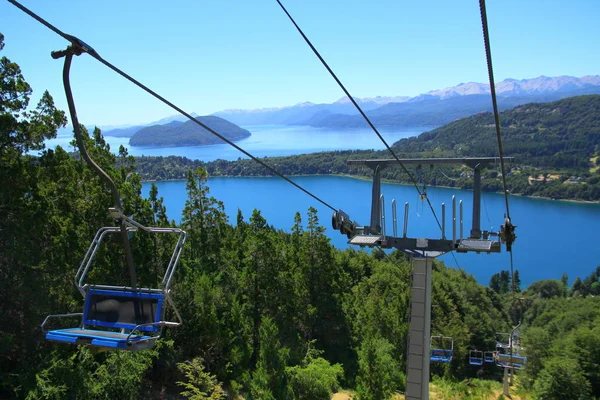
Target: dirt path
[[341, 396]]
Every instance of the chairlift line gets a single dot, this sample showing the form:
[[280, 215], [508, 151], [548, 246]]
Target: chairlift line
[[150, 329]]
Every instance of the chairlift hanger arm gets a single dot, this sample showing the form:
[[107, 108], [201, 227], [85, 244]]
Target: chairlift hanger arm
[[77, 48]]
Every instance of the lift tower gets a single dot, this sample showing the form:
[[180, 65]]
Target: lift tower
[[422, 252]]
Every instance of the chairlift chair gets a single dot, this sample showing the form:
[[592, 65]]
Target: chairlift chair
[[117, 317], [442, 348], [475, 357], [514, 361], [488, 356]]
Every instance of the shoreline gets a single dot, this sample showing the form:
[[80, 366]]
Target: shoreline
[[362, 178]]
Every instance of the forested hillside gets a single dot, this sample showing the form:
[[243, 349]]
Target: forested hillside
[[563, 134], [267, 314]]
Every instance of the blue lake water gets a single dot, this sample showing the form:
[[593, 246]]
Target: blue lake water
[[553, 237], [265, 141]]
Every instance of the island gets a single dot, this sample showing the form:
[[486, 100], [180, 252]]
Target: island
[[189, 133]]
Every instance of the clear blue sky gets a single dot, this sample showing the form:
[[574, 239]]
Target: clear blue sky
[[207, 56]]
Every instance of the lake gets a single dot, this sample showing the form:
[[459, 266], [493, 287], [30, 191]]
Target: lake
[[553, 237], [266, 141]]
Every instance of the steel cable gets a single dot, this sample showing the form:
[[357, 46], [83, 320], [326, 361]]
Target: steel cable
[[362, 113], [488, 56]]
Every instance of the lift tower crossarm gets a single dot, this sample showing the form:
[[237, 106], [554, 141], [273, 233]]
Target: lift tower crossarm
[[476, 163]]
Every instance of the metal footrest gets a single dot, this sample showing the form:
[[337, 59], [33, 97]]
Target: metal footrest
[[366, 240], [478, 245]]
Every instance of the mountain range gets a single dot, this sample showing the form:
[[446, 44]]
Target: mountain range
[[434, 108]]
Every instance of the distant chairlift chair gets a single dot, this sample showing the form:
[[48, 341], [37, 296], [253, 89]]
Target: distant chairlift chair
[[442, 348], [488, 356], [120, 317], [475, 357]]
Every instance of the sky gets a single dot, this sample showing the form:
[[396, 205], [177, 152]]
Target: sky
[[206, 56]]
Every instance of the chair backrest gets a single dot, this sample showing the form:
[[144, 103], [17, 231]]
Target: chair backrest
[[122, 309], [441, 355]]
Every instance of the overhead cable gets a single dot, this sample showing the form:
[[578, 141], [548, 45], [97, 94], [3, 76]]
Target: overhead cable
[[362, 113], [510, 227], [488, 55]]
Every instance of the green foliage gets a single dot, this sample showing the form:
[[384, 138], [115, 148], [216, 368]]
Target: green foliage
[[116, 375], [589, 286], [562, 378], [561, 332], [200, 384], [475, 389], [545, 289], [379, 375], [315, 378], [270, 375]]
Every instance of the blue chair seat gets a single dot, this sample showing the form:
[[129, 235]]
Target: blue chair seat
[[112, 310], [94, 337], [441, 355]]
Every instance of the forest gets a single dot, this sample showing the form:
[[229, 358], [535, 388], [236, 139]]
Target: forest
[[268, 314], [555, 146]]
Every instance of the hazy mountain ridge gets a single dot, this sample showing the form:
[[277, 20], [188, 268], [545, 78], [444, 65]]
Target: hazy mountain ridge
[[515, 87], [389, 109], [293, 115], [430, 110]]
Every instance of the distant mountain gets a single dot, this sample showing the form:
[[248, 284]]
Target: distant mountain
[[123, 132], [515, 87], [436, 107], [176, 133], [299, 113], [381, 100], [432, 110]]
